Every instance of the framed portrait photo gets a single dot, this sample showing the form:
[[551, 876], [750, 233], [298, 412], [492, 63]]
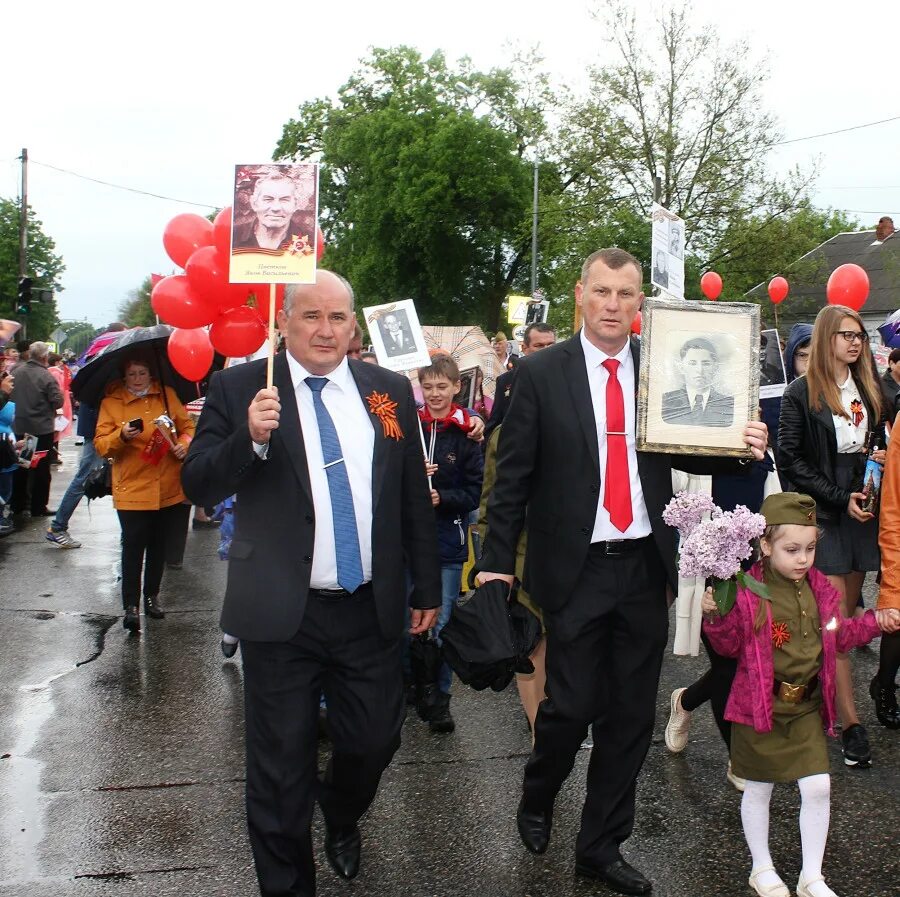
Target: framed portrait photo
[[397, 338], [699, 380], [469, 381]]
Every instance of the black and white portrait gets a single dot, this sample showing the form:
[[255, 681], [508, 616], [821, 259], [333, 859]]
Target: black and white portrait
[[772, 377], [676, 246], [698, 403], [396, 334], [661, 269]]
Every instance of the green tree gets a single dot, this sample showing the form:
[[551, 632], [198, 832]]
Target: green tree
[[45, 268], [78, 336], [136, 310], [425, 191]]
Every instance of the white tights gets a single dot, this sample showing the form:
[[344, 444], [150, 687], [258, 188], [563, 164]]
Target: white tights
[[815, 810]]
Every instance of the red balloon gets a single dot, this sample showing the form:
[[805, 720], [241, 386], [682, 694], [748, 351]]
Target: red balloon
[[320, 243], [207, 273], [778, 290], [848, 285], [238, 331], [222, 231], [184, 235], [711, 284], [190, 352], [177, 304], [636, 324]]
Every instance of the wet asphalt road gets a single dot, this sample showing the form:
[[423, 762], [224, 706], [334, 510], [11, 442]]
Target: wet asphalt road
[[122, 769]]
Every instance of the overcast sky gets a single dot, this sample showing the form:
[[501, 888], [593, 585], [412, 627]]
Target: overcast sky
[[165, 97]]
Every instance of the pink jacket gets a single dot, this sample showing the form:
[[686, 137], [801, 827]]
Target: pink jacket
[[751, 699]]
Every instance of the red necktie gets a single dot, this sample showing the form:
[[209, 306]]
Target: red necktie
[[617, 496]]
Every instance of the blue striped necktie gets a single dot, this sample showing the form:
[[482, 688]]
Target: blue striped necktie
[[346, 537]]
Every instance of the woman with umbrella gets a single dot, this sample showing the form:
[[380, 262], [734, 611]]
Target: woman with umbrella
[[144, 429]]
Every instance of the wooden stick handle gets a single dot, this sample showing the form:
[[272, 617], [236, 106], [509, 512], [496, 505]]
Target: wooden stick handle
[[271, 359]]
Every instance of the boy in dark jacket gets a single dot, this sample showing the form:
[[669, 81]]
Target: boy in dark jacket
[[455, 467]]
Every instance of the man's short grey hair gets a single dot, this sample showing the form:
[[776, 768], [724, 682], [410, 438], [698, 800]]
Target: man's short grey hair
[[274, 176], [39, 351], [292, 288]]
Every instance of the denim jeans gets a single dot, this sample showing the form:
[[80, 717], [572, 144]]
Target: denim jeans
[[451, 577], [89, 460]]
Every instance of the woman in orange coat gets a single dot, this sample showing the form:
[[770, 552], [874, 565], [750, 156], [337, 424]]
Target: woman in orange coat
[[146, 488], [883, 687]]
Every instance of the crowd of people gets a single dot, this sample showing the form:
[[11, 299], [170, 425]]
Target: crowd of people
[[350, 512]]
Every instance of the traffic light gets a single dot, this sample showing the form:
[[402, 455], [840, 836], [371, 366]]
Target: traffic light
[[23, 303]]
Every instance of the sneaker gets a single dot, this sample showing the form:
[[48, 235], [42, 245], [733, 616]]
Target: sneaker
[[678, 728], [855, 744], [62, 538], [886, 708], [6, 527], [739, 783]]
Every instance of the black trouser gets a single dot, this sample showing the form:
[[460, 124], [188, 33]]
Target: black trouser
[[145, 535], [889, 661], [31, 488], [178, 535], [713, 686], [604, 655], [337, 651]]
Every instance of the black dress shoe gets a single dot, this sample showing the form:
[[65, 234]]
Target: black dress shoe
[[132, 621], [229, 649], [886, 708], [618, 875], [342, 846], [152, 607], [534, 827]]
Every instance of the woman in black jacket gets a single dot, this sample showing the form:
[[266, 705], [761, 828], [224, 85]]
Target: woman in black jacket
[[827, 420]]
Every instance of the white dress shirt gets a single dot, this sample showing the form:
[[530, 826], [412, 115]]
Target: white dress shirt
[[850, 437], [597, 376], [357, 437], [692, 398]]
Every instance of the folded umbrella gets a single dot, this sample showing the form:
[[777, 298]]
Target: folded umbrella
[[89, 384], [890, 330]]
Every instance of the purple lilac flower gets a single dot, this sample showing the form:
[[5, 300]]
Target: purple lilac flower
[[717, 546], [686, 510]]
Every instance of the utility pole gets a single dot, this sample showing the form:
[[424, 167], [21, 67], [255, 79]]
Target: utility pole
[[657, 188], [23, 229], [534, 227]]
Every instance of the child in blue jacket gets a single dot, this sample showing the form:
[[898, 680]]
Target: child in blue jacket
[[455, 467]]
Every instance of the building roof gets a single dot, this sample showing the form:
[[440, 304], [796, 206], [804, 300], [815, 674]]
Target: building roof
[[809, 275]]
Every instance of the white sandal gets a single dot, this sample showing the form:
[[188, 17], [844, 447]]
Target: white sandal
[[804, 891], [779, 889]]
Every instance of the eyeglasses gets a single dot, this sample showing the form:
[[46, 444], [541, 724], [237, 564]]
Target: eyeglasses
[[850, 336]]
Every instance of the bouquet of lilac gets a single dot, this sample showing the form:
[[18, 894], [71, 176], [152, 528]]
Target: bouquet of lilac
[[714, 548]]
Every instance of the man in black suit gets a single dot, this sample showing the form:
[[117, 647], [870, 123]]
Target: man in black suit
[[332, 506], [598, 562], [537, 336], [697, 403], [396, 336]]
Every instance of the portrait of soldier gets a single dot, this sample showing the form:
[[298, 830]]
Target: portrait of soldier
[[698, 403]]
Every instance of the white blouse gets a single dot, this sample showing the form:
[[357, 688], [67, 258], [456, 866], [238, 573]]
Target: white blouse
[[851, 434]]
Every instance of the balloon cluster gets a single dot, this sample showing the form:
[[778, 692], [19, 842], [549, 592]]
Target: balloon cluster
[[203, 298]]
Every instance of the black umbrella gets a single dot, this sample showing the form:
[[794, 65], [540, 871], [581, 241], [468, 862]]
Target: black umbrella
[[425, 660], [147, 343]]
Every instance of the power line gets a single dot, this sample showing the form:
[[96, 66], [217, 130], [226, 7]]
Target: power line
[[870, 124], [85, 177]]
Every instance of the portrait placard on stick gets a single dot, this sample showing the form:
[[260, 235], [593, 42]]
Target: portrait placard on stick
[[396, 334], [667, 268], [699, 380], [273, 234]]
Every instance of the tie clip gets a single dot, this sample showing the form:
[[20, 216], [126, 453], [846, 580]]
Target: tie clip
[[608, 433], [332, 463]]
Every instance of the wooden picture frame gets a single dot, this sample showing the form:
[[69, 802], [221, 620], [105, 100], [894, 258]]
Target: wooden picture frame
[[699, 378]]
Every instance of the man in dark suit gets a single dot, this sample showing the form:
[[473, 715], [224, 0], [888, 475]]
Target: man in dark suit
[[598, 562], [332, 506], [697, 403], [537, 336], [396, 336]]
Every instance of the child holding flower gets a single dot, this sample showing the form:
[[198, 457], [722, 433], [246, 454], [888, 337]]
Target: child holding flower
[[784, 689]]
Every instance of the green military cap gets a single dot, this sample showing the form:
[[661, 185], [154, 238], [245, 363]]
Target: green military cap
[[789, 507]]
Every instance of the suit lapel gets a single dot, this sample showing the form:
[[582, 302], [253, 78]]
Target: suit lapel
[[289, 431], [365, 376], [577, 380]]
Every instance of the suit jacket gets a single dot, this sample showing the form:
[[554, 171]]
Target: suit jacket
[[502, 393], [719, 410], [407, 345], [549, 462], [270, 559]]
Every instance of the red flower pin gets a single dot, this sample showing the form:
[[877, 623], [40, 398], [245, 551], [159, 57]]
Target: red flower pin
[[781, 635]]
